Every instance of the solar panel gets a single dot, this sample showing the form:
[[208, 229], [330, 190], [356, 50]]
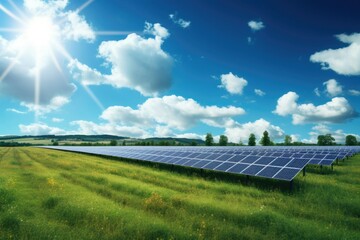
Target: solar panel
[[282, 163]]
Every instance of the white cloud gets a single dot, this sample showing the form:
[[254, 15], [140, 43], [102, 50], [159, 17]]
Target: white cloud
[[238, 131], [181, 22], [322, 129], [333, 88], [286, 104], [344, 61], [57, 120], [256, 26], [55, 104], [157, 30], [90, 128], [136, 63], [190, 136], [40, 129], [15, 111], [317, 92], [336, 111], [171, 111], [76, 27], [354, 92], [259, 92], [232, 83], [167, 116]]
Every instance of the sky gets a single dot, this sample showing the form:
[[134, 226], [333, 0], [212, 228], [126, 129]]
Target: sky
[[165, 68]]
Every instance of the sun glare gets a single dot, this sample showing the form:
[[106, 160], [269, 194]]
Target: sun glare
[[40, 32]]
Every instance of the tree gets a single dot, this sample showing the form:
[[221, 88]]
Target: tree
[[252, 140], [124, 143], [209, 140], [351, 140], [326, 140], [223, 140], [265, 140], [113, 143], [288, 140]]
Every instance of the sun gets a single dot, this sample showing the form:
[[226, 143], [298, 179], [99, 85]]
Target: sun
[[41, 32]]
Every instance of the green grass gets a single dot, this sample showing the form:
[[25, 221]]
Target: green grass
[[48, 194]]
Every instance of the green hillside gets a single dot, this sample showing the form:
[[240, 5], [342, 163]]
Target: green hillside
[[48, 194]]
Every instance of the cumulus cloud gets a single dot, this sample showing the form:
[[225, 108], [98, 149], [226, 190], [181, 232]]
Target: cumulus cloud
[[157, 30], [76, 27], [322, 129], [256, 25], [55, 103], [171, 111], [241, 132], [259, 92], [333, 88], [286, 104], [336, 111], [344, 61], [354, 92], [90, 128], [232, 83], [168, 116], [136, 62], [40, 129], [179, 21]]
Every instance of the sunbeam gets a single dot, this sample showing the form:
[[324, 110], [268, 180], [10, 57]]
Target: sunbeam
[[10, 67], [93, 96], [85, 5], [12, 15]]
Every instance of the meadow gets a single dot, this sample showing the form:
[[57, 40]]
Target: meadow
[[48, 194]]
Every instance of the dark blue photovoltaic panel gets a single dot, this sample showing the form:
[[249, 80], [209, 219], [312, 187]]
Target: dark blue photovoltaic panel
[[238, 168], [225, 166], [286, 174], [271, 162], [268, 172], [212, 165], [236, 158], [315, 162], [201, 164], [326, 162], [250, 159], [265, 160], [213, 156], [225, 157], [280, 162], [252, 170], [297, 163], [191, 162]]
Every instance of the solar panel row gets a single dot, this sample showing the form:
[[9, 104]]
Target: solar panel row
[[269, 162]]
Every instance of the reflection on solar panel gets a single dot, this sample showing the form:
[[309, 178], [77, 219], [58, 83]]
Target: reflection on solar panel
[[282, 163]]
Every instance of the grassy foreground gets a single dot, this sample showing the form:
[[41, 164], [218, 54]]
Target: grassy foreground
[[47, 194]]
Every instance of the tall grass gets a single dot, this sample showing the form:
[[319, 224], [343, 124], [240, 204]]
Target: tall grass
[[47, 194]]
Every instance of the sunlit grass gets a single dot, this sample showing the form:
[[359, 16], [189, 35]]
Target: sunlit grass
[[47, 194]]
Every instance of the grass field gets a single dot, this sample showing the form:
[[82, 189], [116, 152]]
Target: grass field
[[48, 194]]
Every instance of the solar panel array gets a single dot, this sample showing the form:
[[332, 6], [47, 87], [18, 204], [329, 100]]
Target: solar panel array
[[282, 163]]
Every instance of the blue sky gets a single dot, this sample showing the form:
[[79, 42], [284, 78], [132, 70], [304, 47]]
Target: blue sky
[[180, 68]]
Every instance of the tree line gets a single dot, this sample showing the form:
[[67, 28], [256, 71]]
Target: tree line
[[322, 140]]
